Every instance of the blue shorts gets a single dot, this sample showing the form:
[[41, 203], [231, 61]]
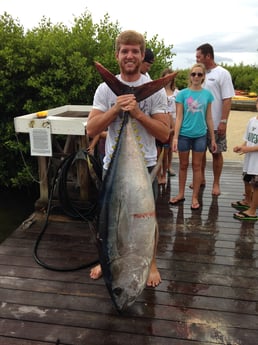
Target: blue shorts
[[186, 144]]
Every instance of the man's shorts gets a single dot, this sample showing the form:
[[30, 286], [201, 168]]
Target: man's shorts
[[221, 142]]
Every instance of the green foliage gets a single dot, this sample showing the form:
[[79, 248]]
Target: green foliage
[[13, 67], [13, 171], [244, 77], [182, 79], [52, 65], [163, 55]]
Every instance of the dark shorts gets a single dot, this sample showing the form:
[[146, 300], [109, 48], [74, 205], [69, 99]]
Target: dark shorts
[[186, 144], [221, 142], [160, 144], [253, 179]]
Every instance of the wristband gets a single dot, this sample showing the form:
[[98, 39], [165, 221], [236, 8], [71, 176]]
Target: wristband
[[223, 121]]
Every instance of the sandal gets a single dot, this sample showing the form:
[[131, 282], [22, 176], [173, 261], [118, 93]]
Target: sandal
[[244, 216], [176, 201], [171, 173], [240, 205]]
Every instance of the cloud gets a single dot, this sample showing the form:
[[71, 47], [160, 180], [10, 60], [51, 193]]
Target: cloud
[[246, 41], [231, 27]]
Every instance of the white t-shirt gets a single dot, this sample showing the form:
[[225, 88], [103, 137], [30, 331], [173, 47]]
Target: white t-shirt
[[218, 81], [105, 98], [250, 165], [172, 103]]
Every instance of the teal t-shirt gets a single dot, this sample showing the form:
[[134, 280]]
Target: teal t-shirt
[[195, 104]]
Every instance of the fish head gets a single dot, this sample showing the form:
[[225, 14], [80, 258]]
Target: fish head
[[129, 277]]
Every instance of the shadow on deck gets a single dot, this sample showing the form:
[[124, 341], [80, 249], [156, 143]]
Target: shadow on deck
[[209, 292]]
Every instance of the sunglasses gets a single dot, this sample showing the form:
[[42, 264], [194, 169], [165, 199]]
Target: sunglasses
[[193, 74]]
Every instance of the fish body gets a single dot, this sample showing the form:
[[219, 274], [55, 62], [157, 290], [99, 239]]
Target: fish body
[[127, 221]]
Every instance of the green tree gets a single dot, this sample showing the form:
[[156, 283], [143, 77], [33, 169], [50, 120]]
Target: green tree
[[50, 66], [13, 67], [243, 77]]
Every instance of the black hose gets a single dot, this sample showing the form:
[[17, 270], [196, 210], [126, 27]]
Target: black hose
[[87, 213]]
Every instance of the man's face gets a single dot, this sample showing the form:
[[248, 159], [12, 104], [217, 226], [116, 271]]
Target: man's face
[[199, 57], [129, 58]]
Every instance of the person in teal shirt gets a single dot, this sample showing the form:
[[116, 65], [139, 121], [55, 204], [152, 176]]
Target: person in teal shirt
[[193, 119]]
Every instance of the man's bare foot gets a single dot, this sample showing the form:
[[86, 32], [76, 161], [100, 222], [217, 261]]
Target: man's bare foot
[[154, 276], [215, 190], [96, 272]]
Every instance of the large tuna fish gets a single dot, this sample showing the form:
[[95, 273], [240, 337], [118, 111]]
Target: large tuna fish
[[127, 220]]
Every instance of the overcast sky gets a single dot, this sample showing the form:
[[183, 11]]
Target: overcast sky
[[230, 26]]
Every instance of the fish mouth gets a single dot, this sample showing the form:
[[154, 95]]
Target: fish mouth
[[121, 299]]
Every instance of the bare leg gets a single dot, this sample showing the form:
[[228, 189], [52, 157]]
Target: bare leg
[[170, 157], [154, 278], [203, 166], [254, 203], [163, 172], [183, 166], [159, 149], [197, 158], [203, 169], [248, 193], [217, 169]]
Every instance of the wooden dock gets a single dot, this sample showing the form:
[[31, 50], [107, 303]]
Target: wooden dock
[[208, 262]]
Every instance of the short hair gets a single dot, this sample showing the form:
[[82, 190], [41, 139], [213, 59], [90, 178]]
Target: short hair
[[130, 37], [206, 49]]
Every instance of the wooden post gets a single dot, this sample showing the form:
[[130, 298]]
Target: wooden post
[[43, 186]]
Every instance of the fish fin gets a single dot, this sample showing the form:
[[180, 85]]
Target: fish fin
[[141, 92], [146, 90], [115, 85]]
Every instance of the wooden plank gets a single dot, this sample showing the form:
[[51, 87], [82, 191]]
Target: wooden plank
[[208, 295]]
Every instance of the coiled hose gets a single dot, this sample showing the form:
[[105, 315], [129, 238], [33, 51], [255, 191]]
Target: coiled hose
[[87, 213]]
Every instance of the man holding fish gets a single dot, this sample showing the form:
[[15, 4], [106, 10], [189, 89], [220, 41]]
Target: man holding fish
[[147, 115]]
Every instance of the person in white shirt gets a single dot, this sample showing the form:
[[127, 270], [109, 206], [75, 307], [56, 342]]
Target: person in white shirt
[[247, 207]]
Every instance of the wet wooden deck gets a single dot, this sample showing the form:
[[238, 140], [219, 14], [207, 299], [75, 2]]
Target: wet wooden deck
[[208, 295]]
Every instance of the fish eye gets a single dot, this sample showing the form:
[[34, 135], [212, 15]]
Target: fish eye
[[117, 291]]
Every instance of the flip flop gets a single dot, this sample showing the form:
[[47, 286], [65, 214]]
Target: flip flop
[[239, 205], [244, 216], [171, 173], [177, 201]]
